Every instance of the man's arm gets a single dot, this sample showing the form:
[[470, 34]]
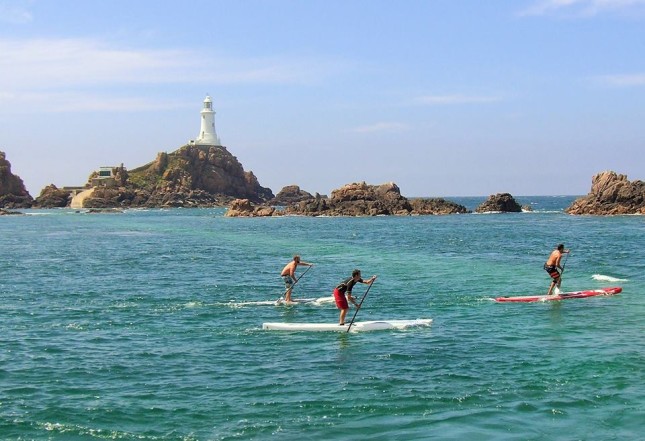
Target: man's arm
[[370, 280]]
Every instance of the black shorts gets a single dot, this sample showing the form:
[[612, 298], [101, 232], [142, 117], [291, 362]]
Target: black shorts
[[552, 270]]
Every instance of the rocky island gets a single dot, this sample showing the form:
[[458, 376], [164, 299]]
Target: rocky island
[[356, 199], [192, 176], [210, 176], [611, 194], [499, 203]]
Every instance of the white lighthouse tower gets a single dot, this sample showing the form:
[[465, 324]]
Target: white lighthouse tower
[[207, 134]]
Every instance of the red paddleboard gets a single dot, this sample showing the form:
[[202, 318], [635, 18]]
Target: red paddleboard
[[563, 296]]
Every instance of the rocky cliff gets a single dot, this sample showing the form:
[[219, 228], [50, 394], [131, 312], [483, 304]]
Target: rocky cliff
[[193, 176], [13, 193], [611, 194]]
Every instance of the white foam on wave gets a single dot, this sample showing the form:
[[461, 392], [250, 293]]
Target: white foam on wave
[[603, 278], [324, 300], [233, 304]]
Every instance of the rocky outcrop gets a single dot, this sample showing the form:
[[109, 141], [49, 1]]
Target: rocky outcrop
[[361, 199], [499, 203], [244, 208], [53, 197], [209, 169], [290, 195], [4, 212], [356, 199], [436, 206], [611, 194], [193, 176], [13, 193]]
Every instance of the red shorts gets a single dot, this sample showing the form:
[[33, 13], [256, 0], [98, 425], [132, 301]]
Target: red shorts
[[341, 300]]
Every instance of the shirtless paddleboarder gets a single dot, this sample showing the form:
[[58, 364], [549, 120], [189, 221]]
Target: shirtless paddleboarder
[[288, 275], [552, 265]]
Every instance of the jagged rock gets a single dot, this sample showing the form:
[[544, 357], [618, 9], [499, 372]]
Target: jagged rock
[[244, 208], [110, 197], [291, 194], [105, 211], [53, 197], [436, 206], [361, 199], [4, 212], [500, 202], [13, 193], [611, 194]]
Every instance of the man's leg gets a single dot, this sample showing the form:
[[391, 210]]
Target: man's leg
[[343, 313]]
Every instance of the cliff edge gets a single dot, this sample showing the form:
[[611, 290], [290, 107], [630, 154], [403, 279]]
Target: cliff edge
[[13, 193]]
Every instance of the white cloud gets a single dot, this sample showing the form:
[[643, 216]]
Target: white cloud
[[623, 80], [583, 7], [68, 68], [14, 12], [455, 99], [381, 127], [64, 62], [76, 101]]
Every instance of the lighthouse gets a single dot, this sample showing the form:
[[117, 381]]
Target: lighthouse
[[207, 134]]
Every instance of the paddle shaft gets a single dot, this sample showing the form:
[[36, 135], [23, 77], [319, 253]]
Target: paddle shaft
[[360, 304], [564, 265]]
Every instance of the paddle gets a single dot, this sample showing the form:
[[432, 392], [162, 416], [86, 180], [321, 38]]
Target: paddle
[[564, 264], [360, 304], [297, 280]]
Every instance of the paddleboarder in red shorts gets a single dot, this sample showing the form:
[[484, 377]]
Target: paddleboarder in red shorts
[[343, 293]]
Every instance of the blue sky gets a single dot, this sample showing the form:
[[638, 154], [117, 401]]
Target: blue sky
[[442, 97]]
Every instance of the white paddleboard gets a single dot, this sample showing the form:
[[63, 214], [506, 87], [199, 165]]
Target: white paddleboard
[[374, 325], [312, 301]]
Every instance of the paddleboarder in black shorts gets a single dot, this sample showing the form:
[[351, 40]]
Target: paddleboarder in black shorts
[[553, 264], [288, 275]]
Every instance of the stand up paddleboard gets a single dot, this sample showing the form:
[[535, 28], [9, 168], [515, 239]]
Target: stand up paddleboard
[[377, 325], [311, 301], [563, 296]]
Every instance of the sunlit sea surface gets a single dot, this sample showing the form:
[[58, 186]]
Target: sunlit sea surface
[[147, 325]]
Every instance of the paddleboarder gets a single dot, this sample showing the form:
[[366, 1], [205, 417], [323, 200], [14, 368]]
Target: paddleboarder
[[288, 275], [552, 265], [343, 293]]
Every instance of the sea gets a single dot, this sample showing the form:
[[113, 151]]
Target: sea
[[147, 325]]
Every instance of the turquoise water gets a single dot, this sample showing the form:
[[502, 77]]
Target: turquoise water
[[147, 326]]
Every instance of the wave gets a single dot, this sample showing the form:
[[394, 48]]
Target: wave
[[320, 301], [604, 278]]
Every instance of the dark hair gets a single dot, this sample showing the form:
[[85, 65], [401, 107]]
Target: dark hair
[[561, 246], [356, 272]]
